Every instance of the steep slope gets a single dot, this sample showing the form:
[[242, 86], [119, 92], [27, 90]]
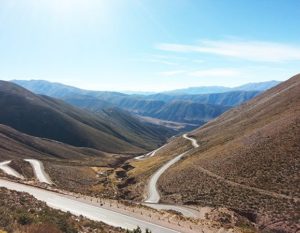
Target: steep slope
[[43, 116], [248, 160], [17, 145]]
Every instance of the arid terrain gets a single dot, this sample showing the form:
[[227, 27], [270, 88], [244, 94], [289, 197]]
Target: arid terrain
[[248, 160]]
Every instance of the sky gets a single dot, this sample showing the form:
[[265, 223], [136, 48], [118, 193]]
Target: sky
[[149, 45]]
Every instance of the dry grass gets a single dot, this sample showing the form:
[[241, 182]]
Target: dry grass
[[256, 145]]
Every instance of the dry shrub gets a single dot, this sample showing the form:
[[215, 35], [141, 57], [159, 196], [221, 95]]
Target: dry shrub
[[41, 228]]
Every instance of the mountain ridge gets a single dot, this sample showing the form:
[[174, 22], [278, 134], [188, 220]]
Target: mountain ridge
[[160, 106], [43, 116]]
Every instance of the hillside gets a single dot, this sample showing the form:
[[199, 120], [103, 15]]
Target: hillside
[[17, 145], [111, 131], [248, 160]]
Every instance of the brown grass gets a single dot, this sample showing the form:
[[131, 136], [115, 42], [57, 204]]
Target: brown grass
[[256, 145]]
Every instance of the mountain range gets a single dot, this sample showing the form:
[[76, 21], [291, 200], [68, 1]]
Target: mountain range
[[189, 108], [111, 130], [262, 86]]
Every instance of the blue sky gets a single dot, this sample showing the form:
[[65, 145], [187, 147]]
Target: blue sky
[[149, 45]]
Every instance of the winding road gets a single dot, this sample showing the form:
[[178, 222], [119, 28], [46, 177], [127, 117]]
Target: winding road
[[10, 171], [78, 207], [98, 213], [194, 141], [39, 171], [150, 154], [153, 194]]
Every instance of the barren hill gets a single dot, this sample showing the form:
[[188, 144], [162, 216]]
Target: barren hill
[[248, 160]]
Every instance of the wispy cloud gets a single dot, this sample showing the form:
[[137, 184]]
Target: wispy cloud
[[248, 50], [215, 73]]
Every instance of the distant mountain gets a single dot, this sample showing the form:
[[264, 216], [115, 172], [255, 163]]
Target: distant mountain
[[61, 91], [232, 98], [111, 130], [189, 112], [248, 160], [183, 111], [183, 108], [198, 90], [262, 86]]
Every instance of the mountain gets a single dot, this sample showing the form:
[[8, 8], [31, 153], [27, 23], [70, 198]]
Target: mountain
[[232, 98], [183, 111], [262, 86], [191, 109], [198, 90], [248, 160], [17, 145], [111, 130], [60, 91], [189, 112]]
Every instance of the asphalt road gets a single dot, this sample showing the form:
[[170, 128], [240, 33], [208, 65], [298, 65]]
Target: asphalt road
[[39, 171], [9, 171], [153, 194], [77, 207]]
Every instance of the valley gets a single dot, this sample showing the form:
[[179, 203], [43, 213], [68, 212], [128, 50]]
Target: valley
[[119, 189], [139, 116], [190, 108]]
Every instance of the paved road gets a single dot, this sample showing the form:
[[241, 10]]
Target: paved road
[[153, 194], [9, 171], [194, 141], [39, 171], [77, 207], [150, 154]]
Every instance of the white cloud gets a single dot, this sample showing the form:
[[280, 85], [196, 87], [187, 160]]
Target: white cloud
[[215, 73], [248, 50]]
